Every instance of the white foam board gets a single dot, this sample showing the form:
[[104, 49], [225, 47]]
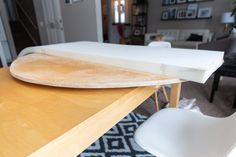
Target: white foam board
[[187, 64]]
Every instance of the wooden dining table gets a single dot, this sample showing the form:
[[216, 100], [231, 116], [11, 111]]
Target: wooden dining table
[[43, 121]]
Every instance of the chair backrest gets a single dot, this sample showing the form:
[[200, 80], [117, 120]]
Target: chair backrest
[[148, 37], [160, 44]]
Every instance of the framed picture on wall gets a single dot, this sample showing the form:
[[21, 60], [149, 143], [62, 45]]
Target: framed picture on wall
[[165, 15], [172, 13], [181, 1], [172, 1], [181, 14], [192, 11], [191, 14], [204, 13], [192, 6], [165, 2]]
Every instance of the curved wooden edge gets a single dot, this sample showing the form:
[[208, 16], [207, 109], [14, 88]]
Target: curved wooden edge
[[31, 69]]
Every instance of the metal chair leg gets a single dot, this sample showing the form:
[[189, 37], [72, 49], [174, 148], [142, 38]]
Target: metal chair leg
[[214, 86], [234, 105]]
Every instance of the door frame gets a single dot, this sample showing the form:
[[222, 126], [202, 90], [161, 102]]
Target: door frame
[[53, 21], [6, 25]]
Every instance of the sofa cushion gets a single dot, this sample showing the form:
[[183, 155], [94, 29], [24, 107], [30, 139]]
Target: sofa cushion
[[170, 34], [186, 44], [185, 33]]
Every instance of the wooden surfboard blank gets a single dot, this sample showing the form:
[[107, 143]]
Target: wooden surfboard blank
[[57, 71]]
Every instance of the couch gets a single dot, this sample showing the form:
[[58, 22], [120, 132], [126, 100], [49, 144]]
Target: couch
[[228, 45], [178, 37], [228, 69]]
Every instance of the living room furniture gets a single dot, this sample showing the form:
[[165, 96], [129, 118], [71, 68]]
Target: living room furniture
[[227, 45], [178, 37], [139, 21], [160, 44], [184, 133], [44, 121], [228, 69]]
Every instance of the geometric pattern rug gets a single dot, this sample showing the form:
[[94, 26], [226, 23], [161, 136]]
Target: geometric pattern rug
[[119, 140]]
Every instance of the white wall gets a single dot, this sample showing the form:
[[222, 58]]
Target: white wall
[[219, 6], [82, 21]]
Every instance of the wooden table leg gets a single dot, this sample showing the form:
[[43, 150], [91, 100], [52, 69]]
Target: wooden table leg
[[156, 101], [165, 93], [175, 95]]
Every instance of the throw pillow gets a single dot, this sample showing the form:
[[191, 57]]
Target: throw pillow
[[195, 37]]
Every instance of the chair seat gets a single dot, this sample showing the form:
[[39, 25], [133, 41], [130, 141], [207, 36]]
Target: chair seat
[[183, 133]]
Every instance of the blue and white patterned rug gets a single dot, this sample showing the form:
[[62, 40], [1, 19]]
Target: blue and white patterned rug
[[119, 141]]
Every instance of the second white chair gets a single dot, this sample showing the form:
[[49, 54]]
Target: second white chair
[[183, 133], [160, 44]]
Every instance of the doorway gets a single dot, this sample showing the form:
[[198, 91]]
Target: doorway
[[53, 21], [105, 20], [23, 23]]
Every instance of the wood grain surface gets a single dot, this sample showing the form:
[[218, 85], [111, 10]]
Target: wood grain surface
[[63, 72], [41, 121]]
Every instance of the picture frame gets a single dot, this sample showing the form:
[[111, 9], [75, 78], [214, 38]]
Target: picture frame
[[192, 6], [165, 2], [181, 1], [181, 14], [192, 11], [165, 15], [172, 13], [204, 13], [172, 2], [191, 14]]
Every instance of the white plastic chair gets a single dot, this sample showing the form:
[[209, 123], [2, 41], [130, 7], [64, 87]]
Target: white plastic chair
[[160, 44], [183, 133]]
